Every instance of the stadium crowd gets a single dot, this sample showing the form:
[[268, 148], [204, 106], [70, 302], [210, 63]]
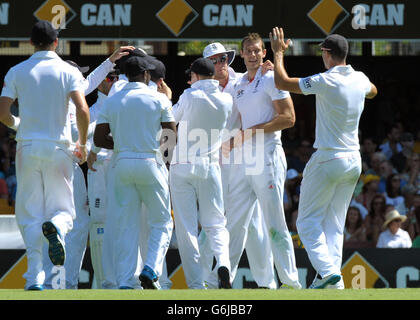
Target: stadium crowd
[[390, 180]]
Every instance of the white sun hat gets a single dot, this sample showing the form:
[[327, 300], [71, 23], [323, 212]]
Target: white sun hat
[[216, 48], [391, 216]]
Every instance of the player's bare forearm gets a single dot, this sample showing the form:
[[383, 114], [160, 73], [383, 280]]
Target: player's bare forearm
[[281, 78], [279, 47], [5, 116], [102, 137], [82, 115]]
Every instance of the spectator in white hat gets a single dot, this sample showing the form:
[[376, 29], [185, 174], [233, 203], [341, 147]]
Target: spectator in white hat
[[394, 236]]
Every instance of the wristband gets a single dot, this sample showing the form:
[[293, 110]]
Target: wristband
[[82, 145]]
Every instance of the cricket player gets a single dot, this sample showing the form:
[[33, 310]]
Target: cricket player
[[332, 172], [257, 246], [97, 186], [156, 80], [77, 239], [195, 179], [43, 84], [134, 116], [264, 112]]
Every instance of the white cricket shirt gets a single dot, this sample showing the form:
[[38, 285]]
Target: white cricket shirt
[[399, 240], [340, 98], [42, 84], [254, 101], [202, 112], [134, 115]]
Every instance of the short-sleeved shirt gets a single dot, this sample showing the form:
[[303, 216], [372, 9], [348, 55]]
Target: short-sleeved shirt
[[42, 84], [254, 101], [340, 98], [202, 112], [399, 240], [134, 115]]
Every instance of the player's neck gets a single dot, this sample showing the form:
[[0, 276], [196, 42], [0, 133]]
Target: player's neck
[[251, 74]]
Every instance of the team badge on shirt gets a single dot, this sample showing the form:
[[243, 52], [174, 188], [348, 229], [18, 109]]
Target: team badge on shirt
[[307, 83], [239, 93]]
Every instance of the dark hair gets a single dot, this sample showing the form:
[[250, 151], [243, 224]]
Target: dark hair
[[377, 196], [389, 190], [253, 36], [359, 220]]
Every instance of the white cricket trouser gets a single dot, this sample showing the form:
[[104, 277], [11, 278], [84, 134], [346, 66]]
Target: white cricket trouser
[[164, 281], [44, 173], [140, 180], [98, 199], [266, 186], [76, 240], [188, 190], [257, 245], [108, 241], [327, 187]]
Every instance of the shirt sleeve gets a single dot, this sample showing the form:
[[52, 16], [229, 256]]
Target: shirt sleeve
[[76, 82], [103, 115], [179, 108], [312, 85], [97, 76], [9, 86], [367, 84], [167, 115], [271, 90]]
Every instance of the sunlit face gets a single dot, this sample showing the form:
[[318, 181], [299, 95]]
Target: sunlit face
[[353, 216], [221, 66], [394, 225], [253, 54]]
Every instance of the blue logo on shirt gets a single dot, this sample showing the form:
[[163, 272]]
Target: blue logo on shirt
[[307, 83]]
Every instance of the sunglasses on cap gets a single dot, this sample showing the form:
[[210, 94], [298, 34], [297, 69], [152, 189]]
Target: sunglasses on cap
[[222, 59], [111, 78]]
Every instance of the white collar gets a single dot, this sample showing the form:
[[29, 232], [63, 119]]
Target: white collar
[[45, 54]]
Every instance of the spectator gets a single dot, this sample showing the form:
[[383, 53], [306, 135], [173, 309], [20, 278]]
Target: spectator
[[412, 173], [297, 243], [369, 190], [400, 159], [393, 193], [4, 190], [290, 141], [354, 230], [394, 236], [291, 190], [416, 147], [375, 163], [368, 149], [375, 218], [414, 223], [301, 157], [392, 146], [408, 192], [385, 169]]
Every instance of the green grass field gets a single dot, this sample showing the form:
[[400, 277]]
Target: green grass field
[[243, 294]]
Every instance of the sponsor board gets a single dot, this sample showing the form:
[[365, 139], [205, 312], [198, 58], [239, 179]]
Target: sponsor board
[[362, 268], [180, 20]]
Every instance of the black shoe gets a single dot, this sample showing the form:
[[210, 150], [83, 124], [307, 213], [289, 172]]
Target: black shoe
[[56, 250], [224, 275]]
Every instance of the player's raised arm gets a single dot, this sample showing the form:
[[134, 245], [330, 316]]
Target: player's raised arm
[[281, 78], [373, 92]]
